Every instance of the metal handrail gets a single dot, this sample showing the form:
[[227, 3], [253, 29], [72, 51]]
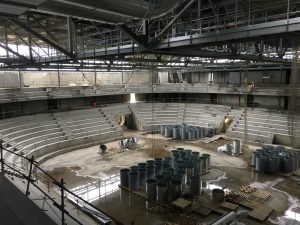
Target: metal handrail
[[58, 184]]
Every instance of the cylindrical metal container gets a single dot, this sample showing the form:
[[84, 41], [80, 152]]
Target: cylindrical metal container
[[201, 132], [134, 168], [191, 134], [174, 152], [274, 165], [195, 154], [171, 171], [218, 195], [158, 168], [260, 164], [195, 185], [179, 149], [208, 156], [288, 165], [124, 177], [150, 172], [182, 171], [190, 171], [196, 132], [161, 192], [228, 149], [168, 131], [188, 152], [204, 164], [158, 160], [142, 176], [197, 164], [160, 178], [142, 165], [133, 181], [162, 129], [150, 162], [236, 147], [183, 132], [151, 189], [176, 189], [253, 161]]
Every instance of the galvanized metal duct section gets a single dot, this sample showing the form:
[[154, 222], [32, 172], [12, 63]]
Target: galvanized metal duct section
[[164, 179], [117, 11]]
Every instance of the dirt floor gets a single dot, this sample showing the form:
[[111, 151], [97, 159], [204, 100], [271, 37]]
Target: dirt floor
[[87, 166]]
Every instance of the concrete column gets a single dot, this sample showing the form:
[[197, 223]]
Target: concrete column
[[21, 79]]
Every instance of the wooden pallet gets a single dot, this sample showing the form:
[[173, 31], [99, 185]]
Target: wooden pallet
[[202, 210], [260, 195], [181, 203], [229, 206], [261, 213]]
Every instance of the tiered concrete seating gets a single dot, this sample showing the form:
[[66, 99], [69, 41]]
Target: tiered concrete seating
[[266, 127], [205, 115], [150, 117], [47, 133]]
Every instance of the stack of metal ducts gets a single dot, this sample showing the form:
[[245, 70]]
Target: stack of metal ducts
[[185, 132], [165, 178], [274, 159]]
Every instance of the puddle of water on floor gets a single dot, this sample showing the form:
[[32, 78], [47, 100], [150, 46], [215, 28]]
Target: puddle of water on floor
[[290, 216]]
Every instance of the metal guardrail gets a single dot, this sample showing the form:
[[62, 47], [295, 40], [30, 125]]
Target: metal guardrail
[[31, 177]]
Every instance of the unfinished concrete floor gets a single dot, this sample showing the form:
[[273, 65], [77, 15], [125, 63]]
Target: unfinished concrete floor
[[97, 177]]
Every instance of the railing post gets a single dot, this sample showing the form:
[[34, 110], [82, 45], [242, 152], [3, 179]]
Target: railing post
[[2, 160], [62, 201], [29, 175]]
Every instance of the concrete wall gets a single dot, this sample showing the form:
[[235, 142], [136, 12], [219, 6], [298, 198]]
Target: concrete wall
[[40, 79], [9, 80], [237, 77]]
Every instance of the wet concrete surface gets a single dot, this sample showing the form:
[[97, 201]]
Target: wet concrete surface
[[86, 166]]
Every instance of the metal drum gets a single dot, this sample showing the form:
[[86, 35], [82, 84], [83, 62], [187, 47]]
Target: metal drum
[[218, 195], [195, 185], [208, 156], [134, 168], [150, 172], [260, 164], [151, 189], [253, 161], [176, 189], [288, 165], [190, 171], [197, 164], [236, 147], [158, 168], [204, 164], [124, 178], [274, 165], [162, 129], [160, 178], [142, 176], [142, 165], [161, 192], [133, 181]]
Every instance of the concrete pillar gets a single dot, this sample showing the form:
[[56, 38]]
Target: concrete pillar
[[21, 79]]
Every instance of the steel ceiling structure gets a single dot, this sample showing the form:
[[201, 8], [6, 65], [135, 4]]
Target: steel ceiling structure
[[142, 34]]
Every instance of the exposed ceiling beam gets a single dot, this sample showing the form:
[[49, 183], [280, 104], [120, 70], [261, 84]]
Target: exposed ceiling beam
[[14, 52], [41, 37], [168, 26], [42, 27], [136, 39]]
